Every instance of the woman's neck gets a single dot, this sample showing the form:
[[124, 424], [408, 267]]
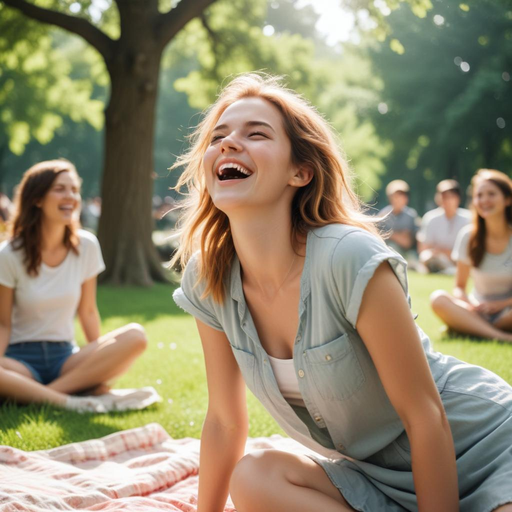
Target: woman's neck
[[52, 236], [264, 247], [497, 227]]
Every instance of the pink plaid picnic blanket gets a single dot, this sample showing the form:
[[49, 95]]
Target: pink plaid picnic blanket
[[141, 469]]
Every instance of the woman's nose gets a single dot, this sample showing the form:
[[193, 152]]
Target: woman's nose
[[230, 143]]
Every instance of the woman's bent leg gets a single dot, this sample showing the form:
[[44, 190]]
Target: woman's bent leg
[[102, 360], [17, 383], [277, 481], [505, 322], [456, 315]]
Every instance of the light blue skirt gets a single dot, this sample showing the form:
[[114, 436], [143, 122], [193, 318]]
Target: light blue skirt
[[478, 405]]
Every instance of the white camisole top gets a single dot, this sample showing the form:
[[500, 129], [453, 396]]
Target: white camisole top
[[286, 378]]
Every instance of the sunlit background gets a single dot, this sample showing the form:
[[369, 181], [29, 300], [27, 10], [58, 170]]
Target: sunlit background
[[420, 92]]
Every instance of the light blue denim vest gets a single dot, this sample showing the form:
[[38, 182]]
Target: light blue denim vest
[[337, 378]]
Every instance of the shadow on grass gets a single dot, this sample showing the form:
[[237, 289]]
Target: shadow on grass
[[447, 335], [144, 303], [46, 422]]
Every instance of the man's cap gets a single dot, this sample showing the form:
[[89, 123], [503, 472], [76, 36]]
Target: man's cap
[[397, 186], [448, 186]]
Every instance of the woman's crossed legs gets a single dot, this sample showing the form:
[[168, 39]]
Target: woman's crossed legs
[[92, 367]]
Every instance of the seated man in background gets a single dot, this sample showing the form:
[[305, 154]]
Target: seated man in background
[[400, 222], [439, 229]]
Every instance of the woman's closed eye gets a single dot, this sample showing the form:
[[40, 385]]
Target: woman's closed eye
[[216, 138], [261, 134]]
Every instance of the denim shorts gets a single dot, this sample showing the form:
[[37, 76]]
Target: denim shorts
[[44, 359]]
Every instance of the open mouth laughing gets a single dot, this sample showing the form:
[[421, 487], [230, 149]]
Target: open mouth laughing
[[232, 171]]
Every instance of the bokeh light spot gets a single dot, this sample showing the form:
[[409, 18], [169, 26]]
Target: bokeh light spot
[[268, 30], [382, 108], [500, 122]]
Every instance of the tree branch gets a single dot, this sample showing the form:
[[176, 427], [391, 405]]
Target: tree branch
[[94, 36], [215, 44], [170, 23]]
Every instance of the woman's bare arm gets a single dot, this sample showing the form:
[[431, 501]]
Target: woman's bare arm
[[6, 300], [387, 328], [88, 311], [226, 425], [461, 280]]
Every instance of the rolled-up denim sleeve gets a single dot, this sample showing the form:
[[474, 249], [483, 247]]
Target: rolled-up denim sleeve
[[354, 261], [189, 296]]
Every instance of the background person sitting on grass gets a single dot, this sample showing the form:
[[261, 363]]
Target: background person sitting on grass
[[440, 227], [400, 221], [48, 271], [484, 250]]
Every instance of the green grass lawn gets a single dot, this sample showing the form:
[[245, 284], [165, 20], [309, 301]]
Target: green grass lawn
[[173, 364]]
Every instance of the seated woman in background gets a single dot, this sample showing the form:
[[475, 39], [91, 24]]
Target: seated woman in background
[[48, 270], [484, 250], [295, 293]]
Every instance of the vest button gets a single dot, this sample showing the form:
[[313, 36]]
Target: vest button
[[328, 357], [318, 418], [340, 447], [301, 373]]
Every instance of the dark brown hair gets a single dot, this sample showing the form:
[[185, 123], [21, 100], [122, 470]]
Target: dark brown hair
[[26, 225], [477, 244]]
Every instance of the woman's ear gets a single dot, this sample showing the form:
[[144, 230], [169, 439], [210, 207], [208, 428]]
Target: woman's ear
[[302, 176]]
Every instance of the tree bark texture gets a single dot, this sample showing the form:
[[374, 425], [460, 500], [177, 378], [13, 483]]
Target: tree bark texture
[[133, 62], [126, 223]]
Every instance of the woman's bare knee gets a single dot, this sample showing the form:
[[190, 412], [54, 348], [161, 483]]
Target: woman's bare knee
[[6, 363], [266, 475], [134, 335], [439, 300], [250, 477], [244, 477]]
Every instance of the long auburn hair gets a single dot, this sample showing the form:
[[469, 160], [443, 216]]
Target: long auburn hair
[[25, 228], [477, 246], [327, 199]]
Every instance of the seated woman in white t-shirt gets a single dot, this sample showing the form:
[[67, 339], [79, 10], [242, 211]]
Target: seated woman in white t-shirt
[[484, 250], [48, 271]]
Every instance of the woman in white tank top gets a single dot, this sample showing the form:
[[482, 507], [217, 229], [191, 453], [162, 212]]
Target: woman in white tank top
[[484, 251], [48, 271]]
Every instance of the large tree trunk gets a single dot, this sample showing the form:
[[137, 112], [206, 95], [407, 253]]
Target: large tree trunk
[[133, 62], [126, 221]]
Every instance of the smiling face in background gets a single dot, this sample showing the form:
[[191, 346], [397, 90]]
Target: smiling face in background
[[248, 162], [489, 200], [62, 201]]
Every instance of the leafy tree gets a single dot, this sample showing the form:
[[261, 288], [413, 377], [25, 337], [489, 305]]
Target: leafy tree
[[36, 91], [130, 36], [132, 58], [446, 98]]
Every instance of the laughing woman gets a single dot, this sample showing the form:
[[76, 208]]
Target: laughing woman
[[48, 272], [484, 251], [295, 293]]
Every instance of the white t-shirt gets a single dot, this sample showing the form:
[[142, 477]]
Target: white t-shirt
[[493, 278], [440, 231], [45, 305]]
